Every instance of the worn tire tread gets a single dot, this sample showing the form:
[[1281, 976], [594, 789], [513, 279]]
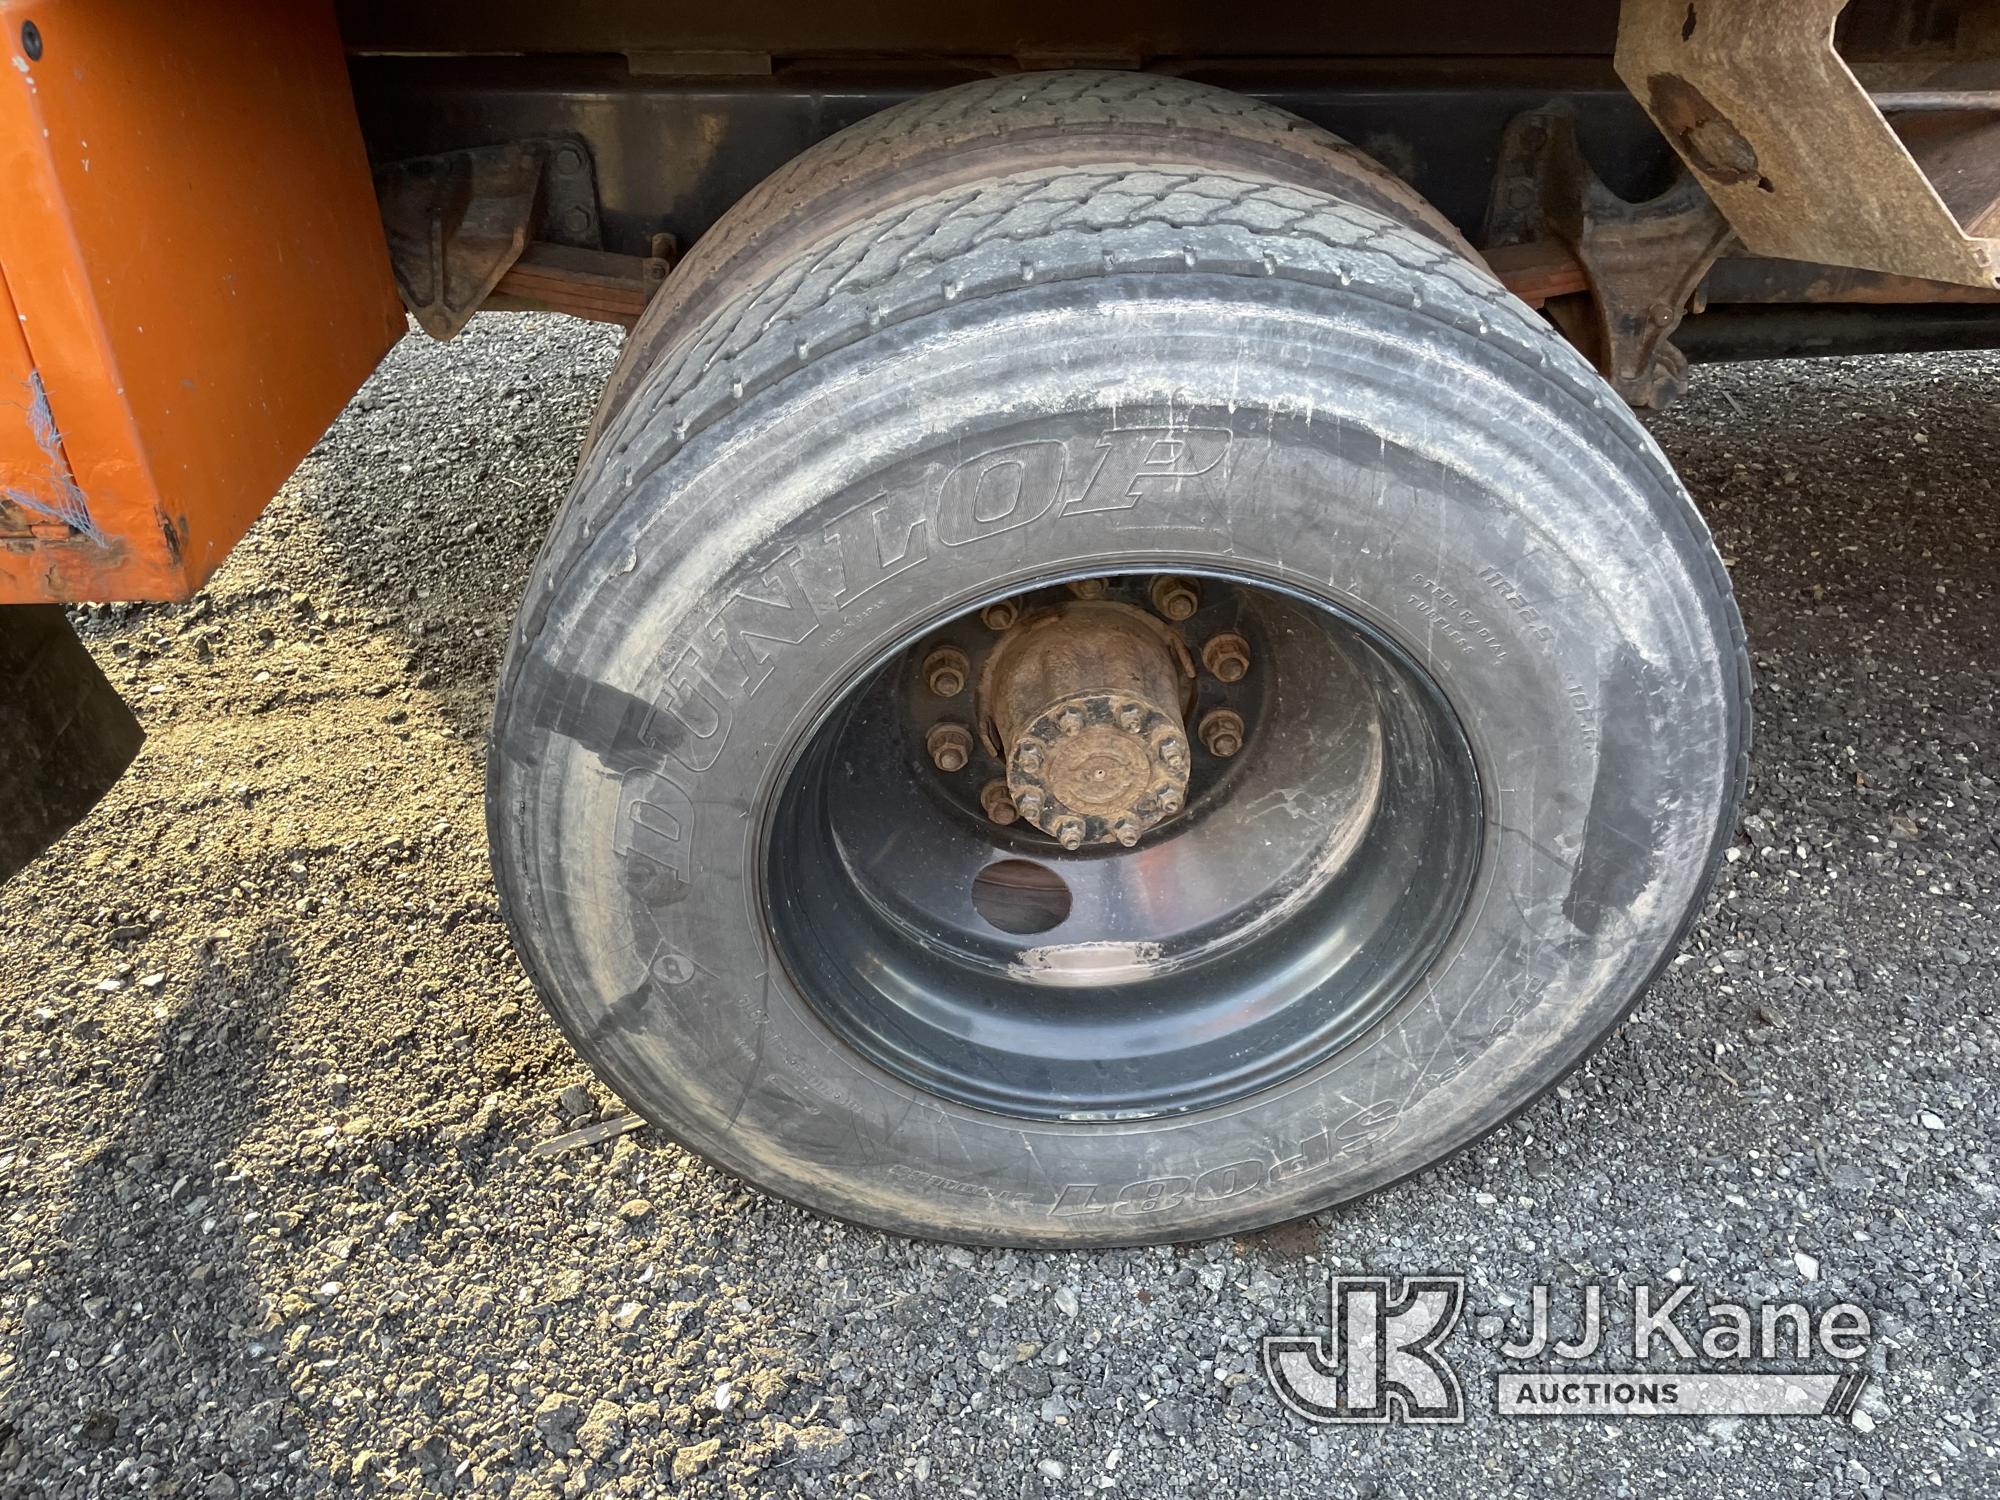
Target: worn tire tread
[[1002, 124]]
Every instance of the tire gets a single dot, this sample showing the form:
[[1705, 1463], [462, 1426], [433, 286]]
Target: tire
[[1394, 437], [985, 129]]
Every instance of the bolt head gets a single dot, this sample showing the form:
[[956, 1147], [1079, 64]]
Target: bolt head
[[950, 747], [998, 802], [1089, 588], [1029, 757], [1175, 597], [1029, 804], [1000, 614], [1222, 732], [1174, 753], [1127, 832], [1227, 656], [1069, 833], [1069, 721], [1132, 717], [945, 671], [1169, 799]]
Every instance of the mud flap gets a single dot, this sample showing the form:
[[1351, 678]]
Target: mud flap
[[65, 734]]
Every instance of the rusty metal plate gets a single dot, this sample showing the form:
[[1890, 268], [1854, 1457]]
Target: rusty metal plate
[[1787, 142]]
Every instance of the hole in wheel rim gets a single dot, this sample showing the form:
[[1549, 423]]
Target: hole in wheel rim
[[1020, 896]]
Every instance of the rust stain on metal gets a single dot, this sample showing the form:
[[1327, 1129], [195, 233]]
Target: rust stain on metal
[[67, 566], [1708, 141], [1758, 101]]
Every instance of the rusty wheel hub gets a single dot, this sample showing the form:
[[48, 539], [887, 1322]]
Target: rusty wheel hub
[[1086, 702], [1090, 712]]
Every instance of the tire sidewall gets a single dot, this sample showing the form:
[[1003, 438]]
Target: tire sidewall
[[1507, 539]]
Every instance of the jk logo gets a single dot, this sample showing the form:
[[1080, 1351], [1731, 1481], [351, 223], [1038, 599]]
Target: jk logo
[[1380, 1362]]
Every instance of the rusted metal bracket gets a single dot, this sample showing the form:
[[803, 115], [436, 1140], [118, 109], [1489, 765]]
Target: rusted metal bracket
[[457, 222], [1800, 160], [1642, 262]]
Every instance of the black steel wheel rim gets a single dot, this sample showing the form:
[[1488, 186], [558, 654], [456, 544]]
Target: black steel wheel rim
[[1309, 883]]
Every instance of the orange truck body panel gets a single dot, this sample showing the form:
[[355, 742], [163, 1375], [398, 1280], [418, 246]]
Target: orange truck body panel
[[193, 269]]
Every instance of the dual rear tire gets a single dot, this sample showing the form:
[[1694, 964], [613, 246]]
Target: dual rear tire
[[1496, 728]]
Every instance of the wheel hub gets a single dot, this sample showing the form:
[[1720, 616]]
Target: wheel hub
[[1086, 701]]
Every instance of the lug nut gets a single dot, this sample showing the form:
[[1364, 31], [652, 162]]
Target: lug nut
[[1169, 799], [1000, 614], [1175, 597], [1089, 588], [1132, 717], [1227, 656], [1029, 804], [998, 802], [1069, 833], [1222, 732], [1127, 831], [945, 671], [1029, 758], [1174, 753], [1069, 721], [950, 746]]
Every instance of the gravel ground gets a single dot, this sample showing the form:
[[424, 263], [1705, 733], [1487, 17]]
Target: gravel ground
[[273, 1219]]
